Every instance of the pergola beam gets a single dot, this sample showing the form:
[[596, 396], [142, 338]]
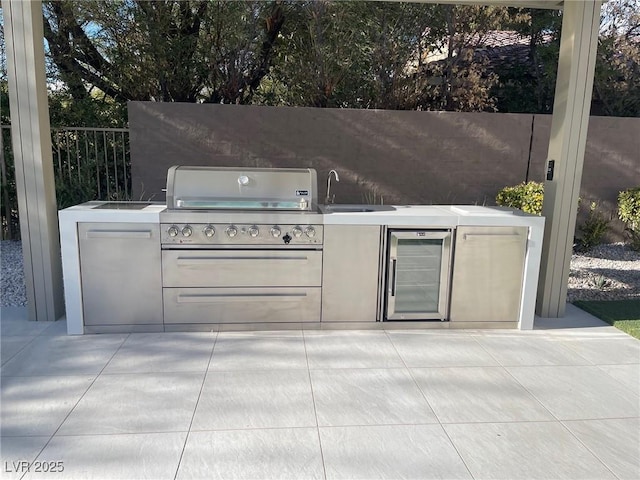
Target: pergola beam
[[33, 159], [570, 121]]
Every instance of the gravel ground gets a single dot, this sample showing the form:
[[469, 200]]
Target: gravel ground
[[12, 275], [607, 272]]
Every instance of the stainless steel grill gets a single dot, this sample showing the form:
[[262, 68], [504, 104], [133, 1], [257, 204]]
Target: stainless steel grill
[[241, 207], [241, 246]]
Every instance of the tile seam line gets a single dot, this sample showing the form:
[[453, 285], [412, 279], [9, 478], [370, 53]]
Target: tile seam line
[[212, 430], [115, 434], [475, 339], [195, 407], [87, 374], [78, 401], [559, 343], [440, 424], [315, 410], [154, 372], [573, 435], [623, 384], [53, 338], [550, 412], [415, 382], [535, 397], [20, 349], [568, 344]]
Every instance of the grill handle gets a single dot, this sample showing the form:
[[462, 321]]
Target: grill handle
[[211, 258]]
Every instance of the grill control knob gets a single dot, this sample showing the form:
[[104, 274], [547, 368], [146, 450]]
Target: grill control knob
[[310, 232], [232, 231], [173, 231], [209, 231], [296, 231], [254, 231], [275, 231], [187, 231]]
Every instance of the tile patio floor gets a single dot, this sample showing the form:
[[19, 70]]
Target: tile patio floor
[[550, 403]]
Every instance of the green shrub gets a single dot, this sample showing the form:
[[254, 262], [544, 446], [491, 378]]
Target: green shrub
[[593, 228], [629, 213], [525, 196]]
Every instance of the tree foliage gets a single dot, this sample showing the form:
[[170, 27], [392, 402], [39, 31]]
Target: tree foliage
[[317, 53], [163, 50], [529, 86], [617, 78], [323, 53], [349, 54], [462, 80]]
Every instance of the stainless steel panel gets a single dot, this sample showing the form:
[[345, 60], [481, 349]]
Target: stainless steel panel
[[488, 274], [241, 268], [241, 216], [121, 275], [350, 273], [418, 275], [243, 237], [241, 305]]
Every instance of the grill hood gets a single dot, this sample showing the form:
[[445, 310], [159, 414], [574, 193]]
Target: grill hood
[[226, 188]]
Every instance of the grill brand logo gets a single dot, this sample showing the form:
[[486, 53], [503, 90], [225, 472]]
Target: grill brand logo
[[302, 193]]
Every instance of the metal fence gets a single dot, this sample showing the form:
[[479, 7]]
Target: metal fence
[[88, 164]]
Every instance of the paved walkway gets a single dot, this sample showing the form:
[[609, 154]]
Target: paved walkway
[[550, 403]]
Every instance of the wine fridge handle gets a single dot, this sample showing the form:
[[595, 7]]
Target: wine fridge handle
[[393, 277]]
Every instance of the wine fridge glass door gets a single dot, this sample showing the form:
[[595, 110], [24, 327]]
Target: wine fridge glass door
[[418, 274]]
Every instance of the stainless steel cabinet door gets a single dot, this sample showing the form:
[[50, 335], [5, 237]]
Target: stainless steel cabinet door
[[350, 273], [121, 274], [488, 268]]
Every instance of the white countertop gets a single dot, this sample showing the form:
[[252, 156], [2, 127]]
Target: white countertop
[[87, 212], [434, 216], [396, 215]]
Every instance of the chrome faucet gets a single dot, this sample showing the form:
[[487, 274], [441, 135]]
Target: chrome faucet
[[329, 199]]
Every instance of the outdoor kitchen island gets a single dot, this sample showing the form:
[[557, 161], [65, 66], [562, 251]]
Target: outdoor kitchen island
[[113, 285]]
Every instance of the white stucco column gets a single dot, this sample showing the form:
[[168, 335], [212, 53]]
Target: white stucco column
[[574, 85], [31, 140]]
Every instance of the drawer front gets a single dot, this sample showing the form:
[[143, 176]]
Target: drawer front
[[241, 305], [241, 268]]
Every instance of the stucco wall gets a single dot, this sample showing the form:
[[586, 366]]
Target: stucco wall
[[402, 157]]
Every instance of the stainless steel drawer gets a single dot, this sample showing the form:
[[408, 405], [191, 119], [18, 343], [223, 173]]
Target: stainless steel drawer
[[241, 268], [241, 305]]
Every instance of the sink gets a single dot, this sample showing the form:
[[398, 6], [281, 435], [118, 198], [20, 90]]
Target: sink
[[352, 208]]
